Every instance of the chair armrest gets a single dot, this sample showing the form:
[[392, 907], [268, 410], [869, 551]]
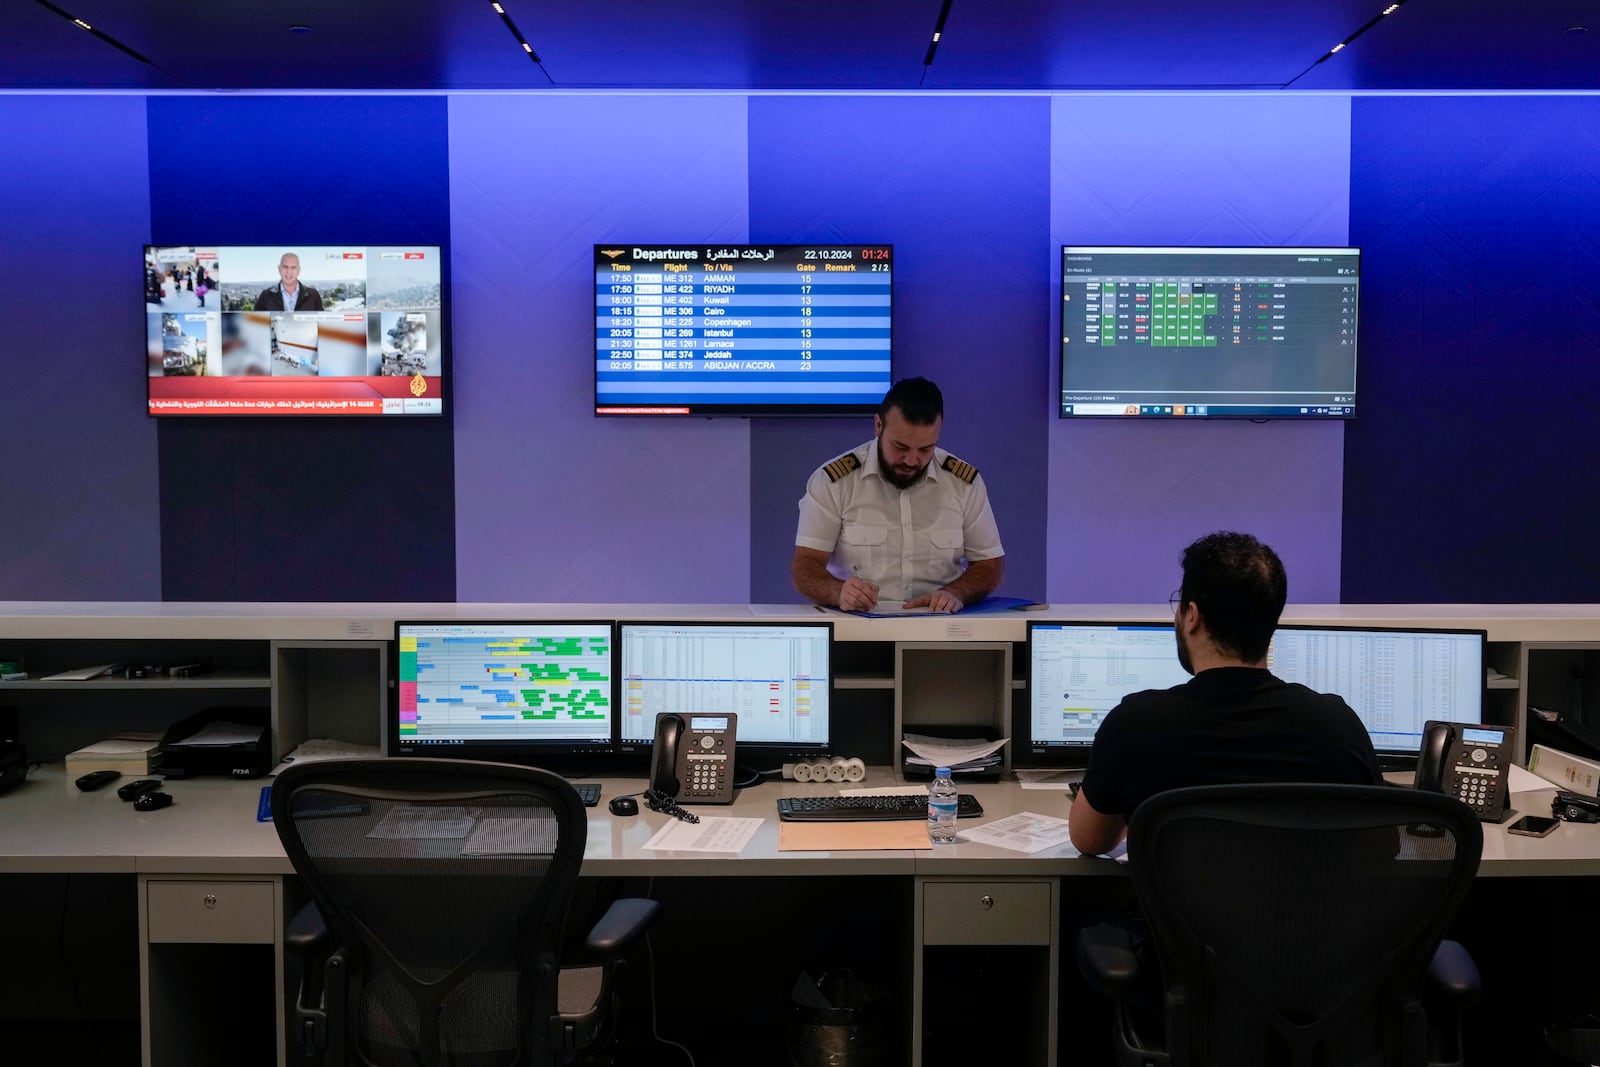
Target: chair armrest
[[1106, 954], [306, 932], [1453, 973], [624, 922]]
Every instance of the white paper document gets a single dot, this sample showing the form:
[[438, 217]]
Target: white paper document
[[1048, 779], [950, 752], [533, 835], [417, 822], [710, 834], [221, 733], [1022, 832], [80, 674]]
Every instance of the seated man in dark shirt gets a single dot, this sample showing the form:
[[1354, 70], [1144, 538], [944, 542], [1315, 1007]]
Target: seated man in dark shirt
[[1233, 721]]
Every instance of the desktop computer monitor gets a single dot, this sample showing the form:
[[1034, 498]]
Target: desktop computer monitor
[[773, 675], [1079, 671], [1395, 679], [511, 690]]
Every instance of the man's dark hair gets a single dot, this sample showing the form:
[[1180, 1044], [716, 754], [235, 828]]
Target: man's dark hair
[[918, 399], [1240, 588]]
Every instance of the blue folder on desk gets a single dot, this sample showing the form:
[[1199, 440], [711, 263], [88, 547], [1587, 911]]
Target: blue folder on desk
[[986, 606]]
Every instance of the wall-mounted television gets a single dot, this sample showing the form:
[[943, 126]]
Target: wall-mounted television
[[716, 329], [363, 331], [1175, 332]]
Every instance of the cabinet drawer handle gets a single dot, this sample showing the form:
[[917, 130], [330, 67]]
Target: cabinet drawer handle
[[986, 902], [210, 900]]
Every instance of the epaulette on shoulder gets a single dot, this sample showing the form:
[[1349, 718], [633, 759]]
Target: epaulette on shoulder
[[960, 468], [843, 465]]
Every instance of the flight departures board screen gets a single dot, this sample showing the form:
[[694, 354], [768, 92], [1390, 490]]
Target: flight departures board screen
[[1179, 332], [742, 330]]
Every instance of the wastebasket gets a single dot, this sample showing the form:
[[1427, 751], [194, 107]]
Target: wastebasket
[[840, 1020], [1577, 1040]]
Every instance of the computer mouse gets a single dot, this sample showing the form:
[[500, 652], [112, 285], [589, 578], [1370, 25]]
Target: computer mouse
[[624, 806], [135, 790], [151, 801]]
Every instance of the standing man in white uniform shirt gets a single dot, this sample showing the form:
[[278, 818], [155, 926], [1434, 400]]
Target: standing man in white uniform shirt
[[898, 519]]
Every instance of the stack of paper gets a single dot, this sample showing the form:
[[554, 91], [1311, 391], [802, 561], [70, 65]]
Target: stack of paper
[[961, 755], [129, 753]]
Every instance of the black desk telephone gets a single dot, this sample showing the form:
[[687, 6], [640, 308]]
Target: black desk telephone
[[692, 760], [1469, 761]]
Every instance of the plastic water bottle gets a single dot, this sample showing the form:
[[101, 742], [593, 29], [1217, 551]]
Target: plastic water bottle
[[942, 808]]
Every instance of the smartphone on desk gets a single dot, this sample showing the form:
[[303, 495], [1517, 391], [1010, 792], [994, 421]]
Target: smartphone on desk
[[1533, 826]]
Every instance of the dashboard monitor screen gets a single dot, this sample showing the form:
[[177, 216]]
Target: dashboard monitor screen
[[1396, 680], [774, 676], [741, 329], [367, 333], [1209, 332], [1078, 672], [517, 691]]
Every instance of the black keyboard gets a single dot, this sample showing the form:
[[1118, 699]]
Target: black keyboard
[[868, 808], [588, 792]]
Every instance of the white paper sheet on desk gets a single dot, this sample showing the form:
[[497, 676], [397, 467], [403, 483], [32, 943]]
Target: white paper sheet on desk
[[1025, 831], [221, 733], [533, 835], [320, 748], [1046, 779], [418, 821], [947, 752], [710, 834]]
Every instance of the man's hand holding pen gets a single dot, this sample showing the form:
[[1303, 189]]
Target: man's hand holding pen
[[857, 594]]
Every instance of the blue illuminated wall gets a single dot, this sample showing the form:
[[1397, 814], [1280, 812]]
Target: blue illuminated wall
[[1466, 478], [78, 469], [1126, 497], [1472, 473], [303, 509]]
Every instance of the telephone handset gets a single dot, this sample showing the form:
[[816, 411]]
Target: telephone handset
[[692, 760], [1469, 761]]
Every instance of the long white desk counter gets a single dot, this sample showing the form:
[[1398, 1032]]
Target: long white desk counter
[[65, 620], [48, 826]]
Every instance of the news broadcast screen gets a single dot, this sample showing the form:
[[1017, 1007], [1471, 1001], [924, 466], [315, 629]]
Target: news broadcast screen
[[294, 329]]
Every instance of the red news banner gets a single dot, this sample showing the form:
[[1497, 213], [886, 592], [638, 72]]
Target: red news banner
[[278, 396]]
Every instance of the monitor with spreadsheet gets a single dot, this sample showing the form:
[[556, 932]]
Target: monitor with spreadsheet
[[1079, 671], [1396, 680], [1190, 332], [774, 675], [512, 690]]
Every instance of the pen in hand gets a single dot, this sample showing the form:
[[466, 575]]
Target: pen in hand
[[865, 592]]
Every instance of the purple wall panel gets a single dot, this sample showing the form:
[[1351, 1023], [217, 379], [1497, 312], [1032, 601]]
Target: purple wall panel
[[1126, 497], [553, 504], [81, 519]]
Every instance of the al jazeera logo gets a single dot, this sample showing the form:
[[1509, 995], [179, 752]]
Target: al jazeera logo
[[419, 385]]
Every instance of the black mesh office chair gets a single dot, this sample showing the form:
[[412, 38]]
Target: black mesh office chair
[[1295, 925], [444, 885]]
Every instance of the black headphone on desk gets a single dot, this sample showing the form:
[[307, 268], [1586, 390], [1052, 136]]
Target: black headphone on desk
[[13, 764], [1575, 807]]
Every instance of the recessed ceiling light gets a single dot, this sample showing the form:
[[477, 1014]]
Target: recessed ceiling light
[[298, 28], [1573, 31]]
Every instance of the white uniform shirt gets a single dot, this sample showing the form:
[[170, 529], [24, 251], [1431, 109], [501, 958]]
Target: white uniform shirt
[[908, 541]]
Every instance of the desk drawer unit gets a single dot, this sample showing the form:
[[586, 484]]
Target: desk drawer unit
[[205, 912], [986, 913]]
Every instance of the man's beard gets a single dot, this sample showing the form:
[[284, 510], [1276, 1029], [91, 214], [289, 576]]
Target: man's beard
[[1183, 652], [896, 478]]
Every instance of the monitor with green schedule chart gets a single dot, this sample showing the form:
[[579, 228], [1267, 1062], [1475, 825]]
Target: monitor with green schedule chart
[[513, 690]]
